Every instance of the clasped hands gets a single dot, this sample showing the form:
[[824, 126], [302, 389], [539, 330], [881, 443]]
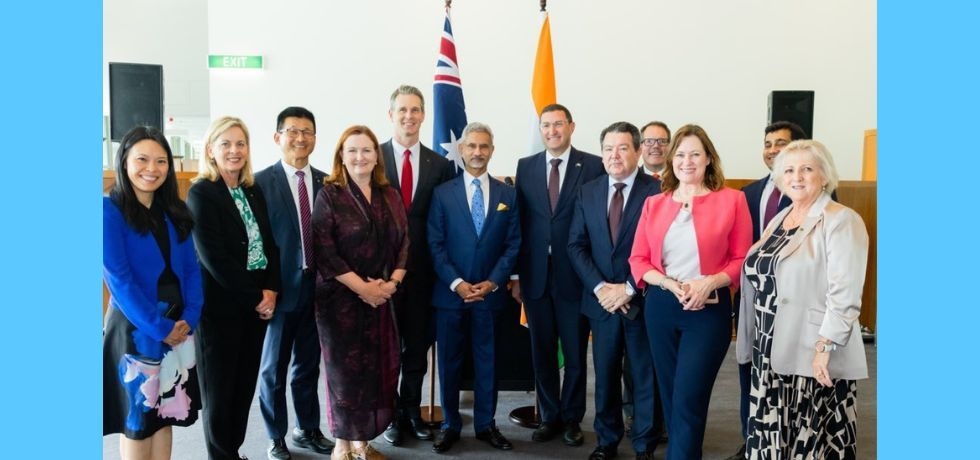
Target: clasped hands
[[474, 292], [178, 334], [613, 297], [692, 294], [376, 292]]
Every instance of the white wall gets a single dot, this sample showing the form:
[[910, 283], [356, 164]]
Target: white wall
[[710, 62], [172, 33]]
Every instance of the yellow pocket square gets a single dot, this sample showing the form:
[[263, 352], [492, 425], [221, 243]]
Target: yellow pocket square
[[502, 207]]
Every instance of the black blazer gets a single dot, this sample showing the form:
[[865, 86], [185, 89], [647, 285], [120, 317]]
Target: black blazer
[[590, 247], [434, 169], [539, 228], [222, 247], [284, 219]]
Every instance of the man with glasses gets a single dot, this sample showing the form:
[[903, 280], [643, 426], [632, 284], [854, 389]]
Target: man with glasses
[[415, 171], [547, 185], [764, 201], [290, 186], [653, 148]]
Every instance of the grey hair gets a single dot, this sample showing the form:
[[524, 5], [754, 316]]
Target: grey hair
[[477, 127]]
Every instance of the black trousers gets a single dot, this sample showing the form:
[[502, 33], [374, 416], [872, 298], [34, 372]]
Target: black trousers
[[229, 349]]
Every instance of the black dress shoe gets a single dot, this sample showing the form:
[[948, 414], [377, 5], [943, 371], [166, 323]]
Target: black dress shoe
[[603, 453], [313, 440], [444, 440], [278, 451], [546, 431], [497, 441], [573, 435], [393, 434], [419, 430], [739, 454]]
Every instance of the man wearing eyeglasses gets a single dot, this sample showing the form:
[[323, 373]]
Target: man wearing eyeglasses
[[653, 148], [547, 185], [415, 171], [290, 186]]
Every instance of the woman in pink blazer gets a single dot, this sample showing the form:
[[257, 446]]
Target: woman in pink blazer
[[689, 246]]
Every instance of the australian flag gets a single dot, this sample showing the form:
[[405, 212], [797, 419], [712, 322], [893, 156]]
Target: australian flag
[[447, 95]]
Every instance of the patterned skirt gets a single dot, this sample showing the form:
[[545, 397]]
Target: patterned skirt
[[793, 416]]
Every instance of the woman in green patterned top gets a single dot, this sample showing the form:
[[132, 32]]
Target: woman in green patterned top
[[240, 264]]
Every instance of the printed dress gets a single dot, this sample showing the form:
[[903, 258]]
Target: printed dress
[[359, 342], [791, 416], [147, 385]]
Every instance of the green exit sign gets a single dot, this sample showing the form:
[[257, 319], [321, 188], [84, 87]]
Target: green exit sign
[[218, 61]]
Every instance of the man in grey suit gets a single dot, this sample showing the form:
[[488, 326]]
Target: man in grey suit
[[290, 186], [415, 171]]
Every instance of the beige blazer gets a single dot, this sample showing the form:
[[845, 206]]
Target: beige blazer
[[819, 281]]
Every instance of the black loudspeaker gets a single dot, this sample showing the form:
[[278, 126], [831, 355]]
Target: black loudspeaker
[[135, 97], [794, 106]]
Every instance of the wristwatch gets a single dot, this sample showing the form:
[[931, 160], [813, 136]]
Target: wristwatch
[[825, 347]]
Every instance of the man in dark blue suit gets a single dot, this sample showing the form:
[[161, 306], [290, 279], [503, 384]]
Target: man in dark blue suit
[[290, 186], [599, 245], [547, 184], [474, 236], [415, 171]]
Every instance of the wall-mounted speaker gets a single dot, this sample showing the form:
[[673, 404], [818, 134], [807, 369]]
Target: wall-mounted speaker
[[794, 106], [135, 97]]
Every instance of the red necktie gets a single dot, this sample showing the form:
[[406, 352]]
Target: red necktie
[[305, 217], [406, 185], [553, 185], [772, 207]]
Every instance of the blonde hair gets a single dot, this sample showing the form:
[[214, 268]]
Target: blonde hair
[[208, 169], [819, 152]]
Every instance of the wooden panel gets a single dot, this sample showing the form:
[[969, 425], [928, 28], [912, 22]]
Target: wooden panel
[[869, 168], [858, 195]]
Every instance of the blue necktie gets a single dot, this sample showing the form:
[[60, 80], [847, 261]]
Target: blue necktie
[[476, 206]]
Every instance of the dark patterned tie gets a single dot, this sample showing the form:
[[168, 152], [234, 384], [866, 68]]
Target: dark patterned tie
[[553, 184], [305, 217], [772, 207], [406, 184], [616, 211]]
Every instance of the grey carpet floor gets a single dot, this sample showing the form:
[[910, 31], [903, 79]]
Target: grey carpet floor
[[721, 436]]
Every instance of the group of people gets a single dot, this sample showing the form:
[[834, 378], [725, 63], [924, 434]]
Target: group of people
[[643, 248]]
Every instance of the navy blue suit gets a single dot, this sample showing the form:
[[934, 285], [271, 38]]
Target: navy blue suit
[[550, 288], [292, 329], [413, 301], [596, 260], [459, 253]]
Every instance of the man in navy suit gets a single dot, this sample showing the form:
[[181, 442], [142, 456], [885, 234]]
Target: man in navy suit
[[292, 330], [474, 237], [415, 171], [758, 194], [599, 245], [547, 183]]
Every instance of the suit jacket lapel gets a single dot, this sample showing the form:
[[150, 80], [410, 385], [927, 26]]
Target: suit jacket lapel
[[282, 193], [463, 204], [634, 204], [572, 172], [814, 216], [228, 203], [492, 204], [391, 171]]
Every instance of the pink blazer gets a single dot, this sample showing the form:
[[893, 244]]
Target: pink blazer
[[721, 223]]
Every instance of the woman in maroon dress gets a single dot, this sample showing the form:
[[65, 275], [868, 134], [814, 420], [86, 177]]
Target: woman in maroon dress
[[361, 244]]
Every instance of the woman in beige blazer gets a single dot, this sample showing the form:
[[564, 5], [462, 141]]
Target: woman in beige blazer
[[801, 298]]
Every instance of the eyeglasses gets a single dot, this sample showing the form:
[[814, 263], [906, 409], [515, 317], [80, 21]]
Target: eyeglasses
[[293, 133], [651, 141], [557, 125]]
